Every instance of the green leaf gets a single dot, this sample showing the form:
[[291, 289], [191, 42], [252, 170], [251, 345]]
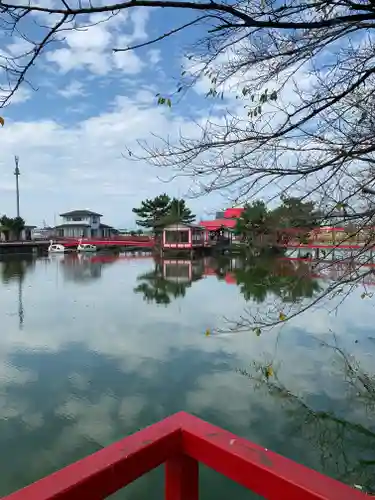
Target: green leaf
[[257, 331], [169, 103]]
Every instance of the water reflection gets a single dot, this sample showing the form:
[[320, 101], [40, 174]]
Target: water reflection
[[168, 280], [89, 368], [256, 278], [345, 446], [14, 270], [82, 268], [289, 280]]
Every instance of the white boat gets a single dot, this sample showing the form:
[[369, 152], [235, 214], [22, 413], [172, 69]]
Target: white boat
[[56, 247], [85, 247]]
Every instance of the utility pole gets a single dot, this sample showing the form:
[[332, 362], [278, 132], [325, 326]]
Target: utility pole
[[17, 174]]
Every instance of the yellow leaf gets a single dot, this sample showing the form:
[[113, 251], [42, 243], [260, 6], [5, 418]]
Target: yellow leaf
[[269, 371], [2, 121], [282, 316], [207, 332]]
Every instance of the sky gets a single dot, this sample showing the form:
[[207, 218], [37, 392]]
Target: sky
[[87, 106]]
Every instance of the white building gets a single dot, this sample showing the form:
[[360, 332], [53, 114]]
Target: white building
[[83, 224]]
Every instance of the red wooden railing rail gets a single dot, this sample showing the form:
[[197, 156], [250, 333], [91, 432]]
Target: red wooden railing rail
[[181, 442]]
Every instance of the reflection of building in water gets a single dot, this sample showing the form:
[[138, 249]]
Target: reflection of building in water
[[182, 271], [223, 268], [80, 267]]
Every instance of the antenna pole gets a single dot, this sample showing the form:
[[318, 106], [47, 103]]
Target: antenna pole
[[17, 174]]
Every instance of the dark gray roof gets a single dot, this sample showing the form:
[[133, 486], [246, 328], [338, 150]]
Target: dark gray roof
[[77, 213], [77, 224], [105, 226]]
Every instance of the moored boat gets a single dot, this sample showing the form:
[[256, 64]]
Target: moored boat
[[56, 247], [85, 247]]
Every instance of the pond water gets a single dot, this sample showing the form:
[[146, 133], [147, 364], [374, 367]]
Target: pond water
[[94, 348]]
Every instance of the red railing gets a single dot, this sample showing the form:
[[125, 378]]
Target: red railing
[[181, 442]]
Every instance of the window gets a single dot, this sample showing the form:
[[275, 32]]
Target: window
[[94, 220], [76, 218], [197, 236], [177, 236], [177, 271]]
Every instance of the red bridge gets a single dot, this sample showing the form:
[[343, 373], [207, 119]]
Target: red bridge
[[181, 442], [120, 242]]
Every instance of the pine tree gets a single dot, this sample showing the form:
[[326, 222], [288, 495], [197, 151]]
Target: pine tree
[[178, 212], [161, 211], [153, 212]]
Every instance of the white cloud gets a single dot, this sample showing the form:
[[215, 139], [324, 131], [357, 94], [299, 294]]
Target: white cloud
[[74, 89], [65, 166], [128, 62], [154, 56], [68, 59], [90, 46]]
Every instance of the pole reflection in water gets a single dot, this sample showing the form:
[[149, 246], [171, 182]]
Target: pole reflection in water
[[14, 269]]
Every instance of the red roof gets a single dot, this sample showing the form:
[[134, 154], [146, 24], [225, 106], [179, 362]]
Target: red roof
[[212, 225], [233, 213]]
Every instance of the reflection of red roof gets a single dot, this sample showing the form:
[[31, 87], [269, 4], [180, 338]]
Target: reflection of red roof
[[233, 213], [325, 228], [211, 225], [230, 279]]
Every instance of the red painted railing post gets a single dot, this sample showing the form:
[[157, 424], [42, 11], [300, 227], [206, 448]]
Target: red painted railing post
[[181, 478]]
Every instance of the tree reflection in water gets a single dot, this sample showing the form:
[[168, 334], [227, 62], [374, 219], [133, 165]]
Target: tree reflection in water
[[169, 280], [15, 268], [338, 441], [289, 280], [257, 278]]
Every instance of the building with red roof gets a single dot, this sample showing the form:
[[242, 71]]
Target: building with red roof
[[226, 219]]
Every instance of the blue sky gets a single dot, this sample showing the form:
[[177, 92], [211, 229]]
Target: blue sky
[[90, 103]]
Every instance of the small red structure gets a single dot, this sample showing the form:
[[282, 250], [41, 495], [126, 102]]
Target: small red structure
[[181, 442], [183, 237]]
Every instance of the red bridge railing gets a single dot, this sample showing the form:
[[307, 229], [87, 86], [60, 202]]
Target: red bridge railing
[[181, 442]]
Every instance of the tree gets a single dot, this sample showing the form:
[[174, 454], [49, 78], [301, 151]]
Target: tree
[[253, 223], [11, 227], [260, 226], [179, 212], [158, 212], [296, 215], [5, 226], [152, 212], [18, 224], [304, 73]]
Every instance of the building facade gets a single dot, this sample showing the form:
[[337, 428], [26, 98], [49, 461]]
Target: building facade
[[83, 224]]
